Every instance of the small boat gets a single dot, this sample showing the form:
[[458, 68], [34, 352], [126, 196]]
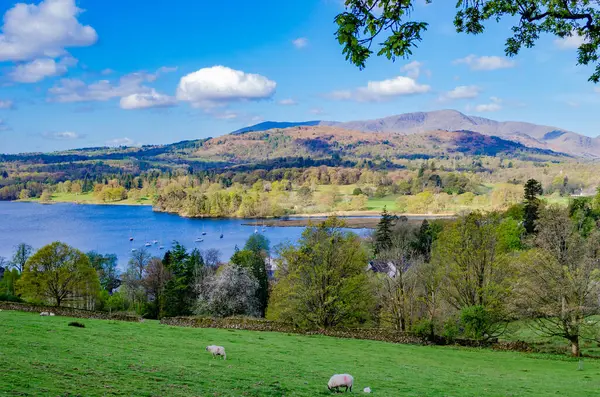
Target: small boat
[[221, 236], [130, 238], [154, 242], [133, 250], [204, 233], [199, 240], [161, 248], [147, 244]]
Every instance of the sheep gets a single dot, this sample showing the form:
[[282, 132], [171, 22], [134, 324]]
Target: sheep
[[340, 380], [217, 351], [52, 314], [367, 390], [44, 314]]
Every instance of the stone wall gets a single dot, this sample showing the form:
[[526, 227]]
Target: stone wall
[[69, 312], [252, 324]]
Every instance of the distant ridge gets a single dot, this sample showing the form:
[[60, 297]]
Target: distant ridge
[[269, 125], [527, 134]]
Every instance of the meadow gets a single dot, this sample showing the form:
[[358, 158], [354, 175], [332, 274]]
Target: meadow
[[42, 356]]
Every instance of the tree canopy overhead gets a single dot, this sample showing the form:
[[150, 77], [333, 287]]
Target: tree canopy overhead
[[365, 20]]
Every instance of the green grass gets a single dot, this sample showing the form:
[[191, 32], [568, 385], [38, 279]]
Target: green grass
[[90, 198], [377, 204], [42, 356]]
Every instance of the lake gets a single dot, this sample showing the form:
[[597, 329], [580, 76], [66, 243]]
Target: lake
[[107, 229]]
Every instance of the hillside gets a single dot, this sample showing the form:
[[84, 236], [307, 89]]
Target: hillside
[[49, 358], [324, 141], [528, 134]]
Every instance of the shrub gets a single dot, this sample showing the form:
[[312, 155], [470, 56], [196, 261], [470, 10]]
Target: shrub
[[479, 323], [76, 324], [451, 329], [10, 298], [424, 329], [357, 192]]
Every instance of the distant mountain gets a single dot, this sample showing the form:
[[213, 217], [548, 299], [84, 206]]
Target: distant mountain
[[269, 125], [528, 134]]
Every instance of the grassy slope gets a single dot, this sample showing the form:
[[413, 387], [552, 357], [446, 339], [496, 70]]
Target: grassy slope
[[90, 198], [42, 356]]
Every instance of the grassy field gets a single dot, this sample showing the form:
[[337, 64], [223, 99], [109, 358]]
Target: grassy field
[[90, 198], [42, 356]]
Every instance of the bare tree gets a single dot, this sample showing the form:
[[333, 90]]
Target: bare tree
[[212, 257], [398, 288], [558, 287], [22, 253]]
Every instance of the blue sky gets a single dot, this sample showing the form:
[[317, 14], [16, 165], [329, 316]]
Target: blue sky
[[94, 73]]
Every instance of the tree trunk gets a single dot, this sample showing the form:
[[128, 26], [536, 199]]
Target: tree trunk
[[575, 346]]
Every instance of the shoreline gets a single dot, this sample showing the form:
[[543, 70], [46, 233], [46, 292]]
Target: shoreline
[[354, 219]]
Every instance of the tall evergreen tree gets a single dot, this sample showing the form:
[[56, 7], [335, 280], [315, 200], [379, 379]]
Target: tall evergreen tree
[[383, 233], [179, 295], [531, 204]]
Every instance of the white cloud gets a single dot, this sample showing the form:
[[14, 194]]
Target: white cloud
[[461, 92], [75, 90], [106, 72], [288, 102], [62, 136], [300, 42], [122, 142], [382, 90], [147, 100], [39, 69], [493, 106], [44, 30], [227, 115], [317, 111], [597, 89], [217, 85], [6, 104], [412, 69], [486, 62], [570, 42]]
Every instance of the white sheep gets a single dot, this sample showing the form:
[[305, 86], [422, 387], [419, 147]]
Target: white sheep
[[52, 314], [217, 351], [367, 390], [44, 314], [340, 380]]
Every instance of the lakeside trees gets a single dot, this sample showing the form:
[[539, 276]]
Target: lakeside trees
[[323, 281], [57, 274], [462, 278]]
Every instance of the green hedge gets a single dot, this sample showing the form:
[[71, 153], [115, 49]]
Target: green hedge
[[69, 312]]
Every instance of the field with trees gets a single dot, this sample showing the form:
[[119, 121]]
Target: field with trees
[[472, 277], [44, 356]]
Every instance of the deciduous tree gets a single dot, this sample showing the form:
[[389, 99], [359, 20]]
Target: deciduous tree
[[58, 274], [322, 282], [559, 281]]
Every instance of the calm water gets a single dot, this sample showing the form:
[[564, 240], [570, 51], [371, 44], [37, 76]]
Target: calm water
[[106, 229]]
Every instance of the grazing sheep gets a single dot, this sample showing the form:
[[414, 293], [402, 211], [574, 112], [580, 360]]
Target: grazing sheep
[[343, 380], [44, 314], [52, 314], [217, 351], [367, 390]]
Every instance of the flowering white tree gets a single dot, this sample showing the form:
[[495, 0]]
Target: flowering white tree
[[230, 292]]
